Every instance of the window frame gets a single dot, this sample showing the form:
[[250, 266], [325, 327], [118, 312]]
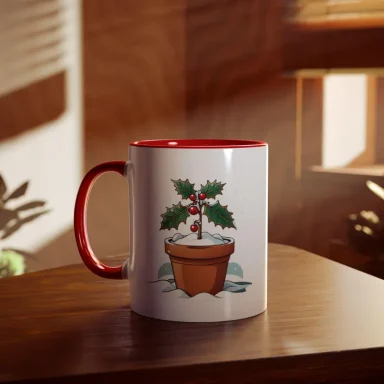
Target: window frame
[[309, 130]]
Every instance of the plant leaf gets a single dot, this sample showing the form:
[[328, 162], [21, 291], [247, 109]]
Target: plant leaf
[[184, 188], [18, 192], [3, 187], [8, 231], [165, 270], [6, 215], [31, 205], [174, 216], [211, 189], [11, 264], [219, 215]]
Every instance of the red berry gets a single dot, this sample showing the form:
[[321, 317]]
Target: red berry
[[193, 210], [194, 228], [192, 197], [202, 196]]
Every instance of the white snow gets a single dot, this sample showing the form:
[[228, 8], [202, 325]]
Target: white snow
[[217, 236], [192, 240], [176, 305], [177, 236]]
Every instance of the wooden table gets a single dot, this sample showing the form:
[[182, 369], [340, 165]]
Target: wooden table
[[324, 323]]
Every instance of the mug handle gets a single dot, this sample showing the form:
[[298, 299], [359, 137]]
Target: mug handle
[[80, 220]]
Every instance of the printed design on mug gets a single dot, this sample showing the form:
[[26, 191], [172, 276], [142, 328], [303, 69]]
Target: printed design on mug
[[199, 260]]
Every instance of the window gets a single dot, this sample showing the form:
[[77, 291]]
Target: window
[[345, 120], [350, 131]]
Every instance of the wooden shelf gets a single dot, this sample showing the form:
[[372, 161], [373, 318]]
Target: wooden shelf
[[342, 178], [340, 24], [366, 170]]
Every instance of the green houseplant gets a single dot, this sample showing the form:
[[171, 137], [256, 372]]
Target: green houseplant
[[12, 218]]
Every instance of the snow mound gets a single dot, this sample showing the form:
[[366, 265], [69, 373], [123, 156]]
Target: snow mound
[[192, 240], [169, 286], [177, 294], [177, 236]]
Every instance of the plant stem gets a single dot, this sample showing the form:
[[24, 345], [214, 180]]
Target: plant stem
[[201, 220]]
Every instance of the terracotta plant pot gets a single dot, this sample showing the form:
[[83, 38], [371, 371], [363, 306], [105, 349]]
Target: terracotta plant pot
[[200, 269]]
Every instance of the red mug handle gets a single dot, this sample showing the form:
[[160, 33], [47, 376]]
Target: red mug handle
[[80, 220]]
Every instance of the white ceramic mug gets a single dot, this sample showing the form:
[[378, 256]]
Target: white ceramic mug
[[198, 228]]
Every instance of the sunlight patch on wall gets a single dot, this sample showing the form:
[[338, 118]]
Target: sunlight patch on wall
[[50, 156], [344, 119]]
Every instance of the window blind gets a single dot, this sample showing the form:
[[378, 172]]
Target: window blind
[[32, 41], [323, 11]]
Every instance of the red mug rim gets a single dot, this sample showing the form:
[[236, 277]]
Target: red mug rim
[[198, 143]]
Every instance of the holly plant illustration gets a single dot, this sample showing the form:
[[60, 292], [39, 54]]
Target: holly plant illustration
[[198, 206]]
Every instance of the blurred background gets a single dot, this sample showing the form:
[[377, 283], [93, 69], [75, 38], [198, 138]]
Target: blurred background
[[79, 80]]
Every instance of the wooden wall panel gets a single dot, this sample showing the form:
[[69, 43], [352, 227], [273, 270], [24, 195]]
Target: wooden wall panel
[[133, 66], [380, 122], [312, 122], [235, 89], [134, 84], [311, 48]]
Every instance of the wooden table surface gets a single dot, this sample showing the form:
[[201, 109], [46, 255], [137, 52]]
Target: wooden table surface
[[324, 323]]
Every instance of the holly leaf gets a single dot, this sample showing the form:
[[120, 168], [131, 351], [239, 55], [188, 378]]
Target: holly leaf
[[174, 216], [184, 188], [219, 215], [211, 189]]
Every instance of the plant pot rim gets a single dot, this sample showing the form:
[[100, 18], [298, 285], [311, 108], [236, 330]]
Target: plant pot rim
[[229, 240], [200, 251]]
